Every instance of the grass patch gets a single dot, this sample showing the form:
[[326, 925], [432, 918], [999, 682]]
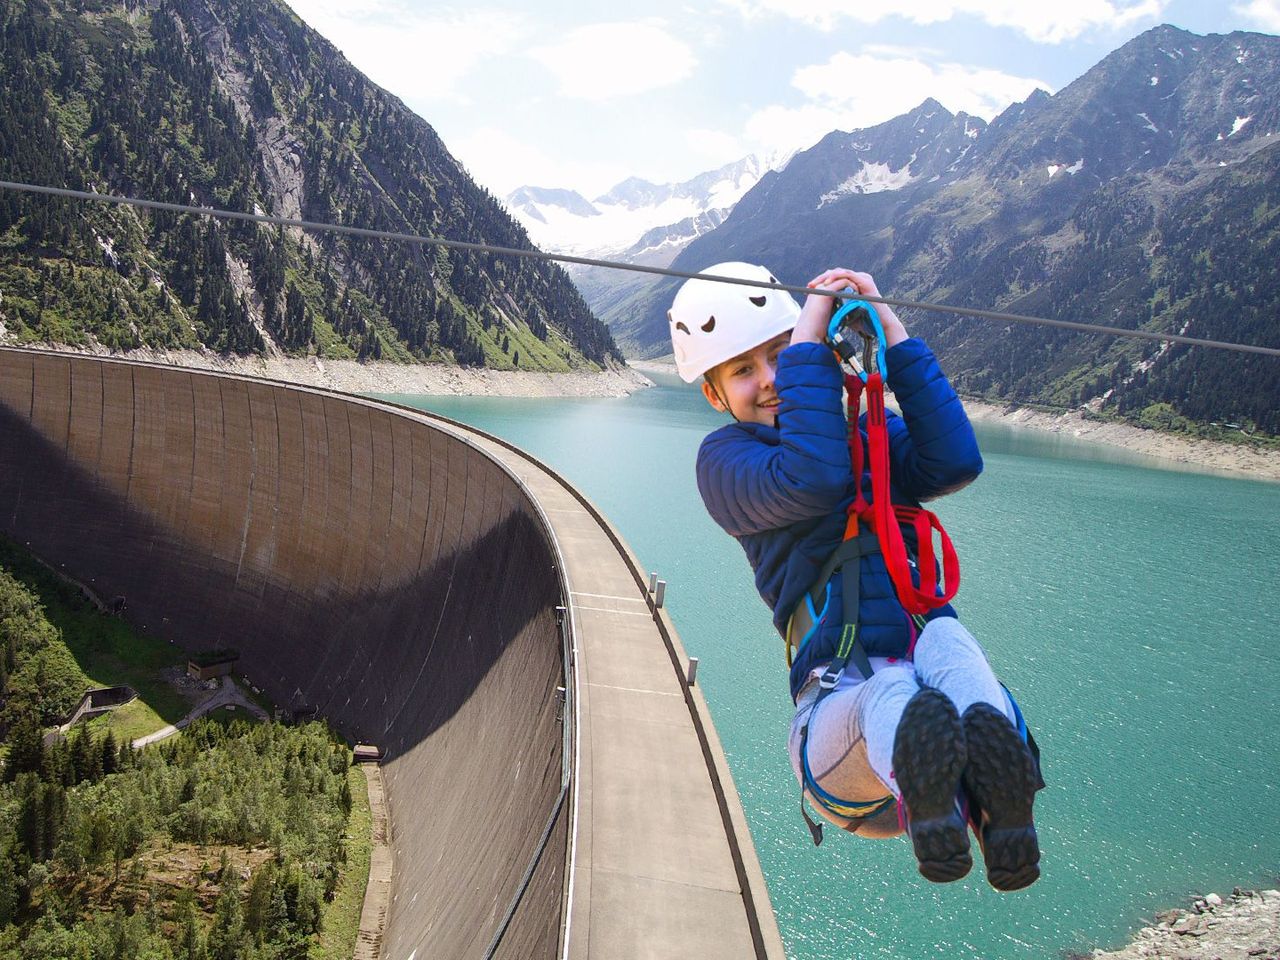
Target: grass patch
[[230, 714], [135, 719], [110, 653], [61, 301], [553, 355], [105, 648], [330, 345], [340, 921]]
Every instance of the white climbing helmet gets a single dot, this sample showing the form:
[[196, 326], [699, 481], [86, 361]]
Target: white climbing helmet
[[713, 322]]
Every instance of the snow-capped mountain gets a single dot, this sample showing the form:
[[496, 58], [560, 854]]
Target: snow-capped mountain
[[532, 201], [649, 222]]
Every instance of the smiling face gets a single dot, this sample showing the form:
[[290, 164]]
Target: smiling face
[[744, 385]]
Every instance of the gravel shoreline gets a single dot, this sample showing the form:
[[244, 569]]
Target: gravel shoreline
[[351, 376], [1244, 926], [1254, 463]]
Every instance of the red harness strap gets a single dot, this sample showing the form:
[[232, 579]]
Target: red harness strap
[[886, 518]]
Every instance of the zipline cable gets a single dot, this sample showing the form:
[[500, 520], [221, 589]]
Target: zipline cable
[[616, 265]]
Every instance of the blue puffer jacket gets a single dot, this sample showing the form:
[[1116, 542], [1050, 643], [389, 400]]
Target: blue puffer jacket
[[782, 491]]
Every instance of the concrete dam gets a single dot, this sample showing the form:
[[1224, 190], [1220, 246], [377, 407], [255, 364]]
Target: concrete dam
[[554, 784]]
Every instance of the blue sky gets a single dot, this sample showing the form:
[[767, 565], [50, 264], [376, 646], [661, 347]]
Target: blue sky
[[584, 94]]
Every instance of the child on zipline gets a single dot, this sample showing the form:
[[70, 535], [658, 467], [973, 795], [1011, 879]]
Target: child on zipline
[[900, 722]]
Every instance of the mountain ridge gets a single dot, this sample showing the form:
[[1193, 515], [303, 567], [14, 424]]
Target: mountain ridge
[[1145, 193], [243, 106]]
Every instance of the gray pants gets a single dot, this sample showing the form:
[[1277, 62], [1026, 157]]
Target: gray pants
[[851, 737]]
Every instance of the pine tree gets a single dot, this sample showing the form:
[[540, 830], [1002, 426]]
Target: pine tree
[[190, 940], [258, 904], [30, 817], [227, 933], [10, 891], [26, 749], [110, 754], [83, 756], [53, 811]]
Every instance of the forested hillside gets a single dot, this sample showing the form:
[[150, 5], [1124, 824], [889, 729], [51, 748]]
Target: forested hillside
[[227, 841], [240, 105]]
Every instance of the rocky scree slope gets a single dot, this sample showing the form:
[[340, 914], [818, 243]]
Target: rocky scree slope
[[241, 105]]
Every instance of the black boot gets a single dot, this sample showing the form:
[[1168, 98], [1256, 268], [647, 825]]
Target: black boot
[[929, 755], [1001, 781]]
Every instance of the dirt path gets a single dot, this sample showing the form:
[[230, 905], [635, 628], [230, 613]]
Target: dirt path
[[227, 694], [1255, 463]]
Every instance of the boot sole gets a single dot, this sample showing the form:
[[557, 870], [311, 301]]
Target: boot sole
[[1001, 779], [929, 756]]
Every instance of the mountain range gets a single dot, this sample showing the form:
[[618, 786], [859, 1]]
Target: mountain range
[[238, 104], [1146, 194], [637, 220]]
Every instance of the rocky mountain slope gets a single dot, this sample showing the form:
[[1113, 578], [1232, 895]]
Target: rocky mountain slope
[[1144, 194], [241, 105]]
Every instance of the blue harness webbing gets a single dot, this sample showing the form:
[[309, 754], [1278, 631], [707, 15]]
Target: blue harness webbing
[[847, 558]]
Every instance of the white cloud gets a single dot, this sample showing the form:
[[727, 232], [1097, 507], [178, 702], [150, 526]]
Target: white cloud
[[789, 128], [884, 87], [418, 57], [608, 60], [1263, 14], [501, 162], [889, 51], [714, 145], [1041, 21], [852, 91]]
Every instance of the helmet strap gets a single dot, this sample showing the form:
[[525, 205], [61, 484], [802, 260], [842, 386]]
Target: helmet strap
[[719, 396]]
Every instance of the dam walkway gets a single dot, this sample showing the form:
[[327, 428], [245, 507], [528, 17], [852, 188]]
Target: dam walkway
[[661, 859]]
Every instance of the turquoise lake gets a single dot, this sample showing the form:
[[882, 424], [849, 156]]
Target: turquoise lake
[[1129, 608]]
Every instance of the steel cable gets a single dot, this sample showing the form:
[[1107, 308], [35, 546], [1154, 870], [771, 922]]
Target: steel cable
[[616, 265]]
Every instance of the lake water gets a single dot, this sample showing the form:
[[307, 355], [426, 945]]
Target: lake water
[[1129, 608]]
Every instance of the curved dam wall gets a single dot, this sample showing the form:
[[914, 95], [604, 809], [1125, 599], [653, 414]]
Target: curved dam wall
[[367, 566]]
